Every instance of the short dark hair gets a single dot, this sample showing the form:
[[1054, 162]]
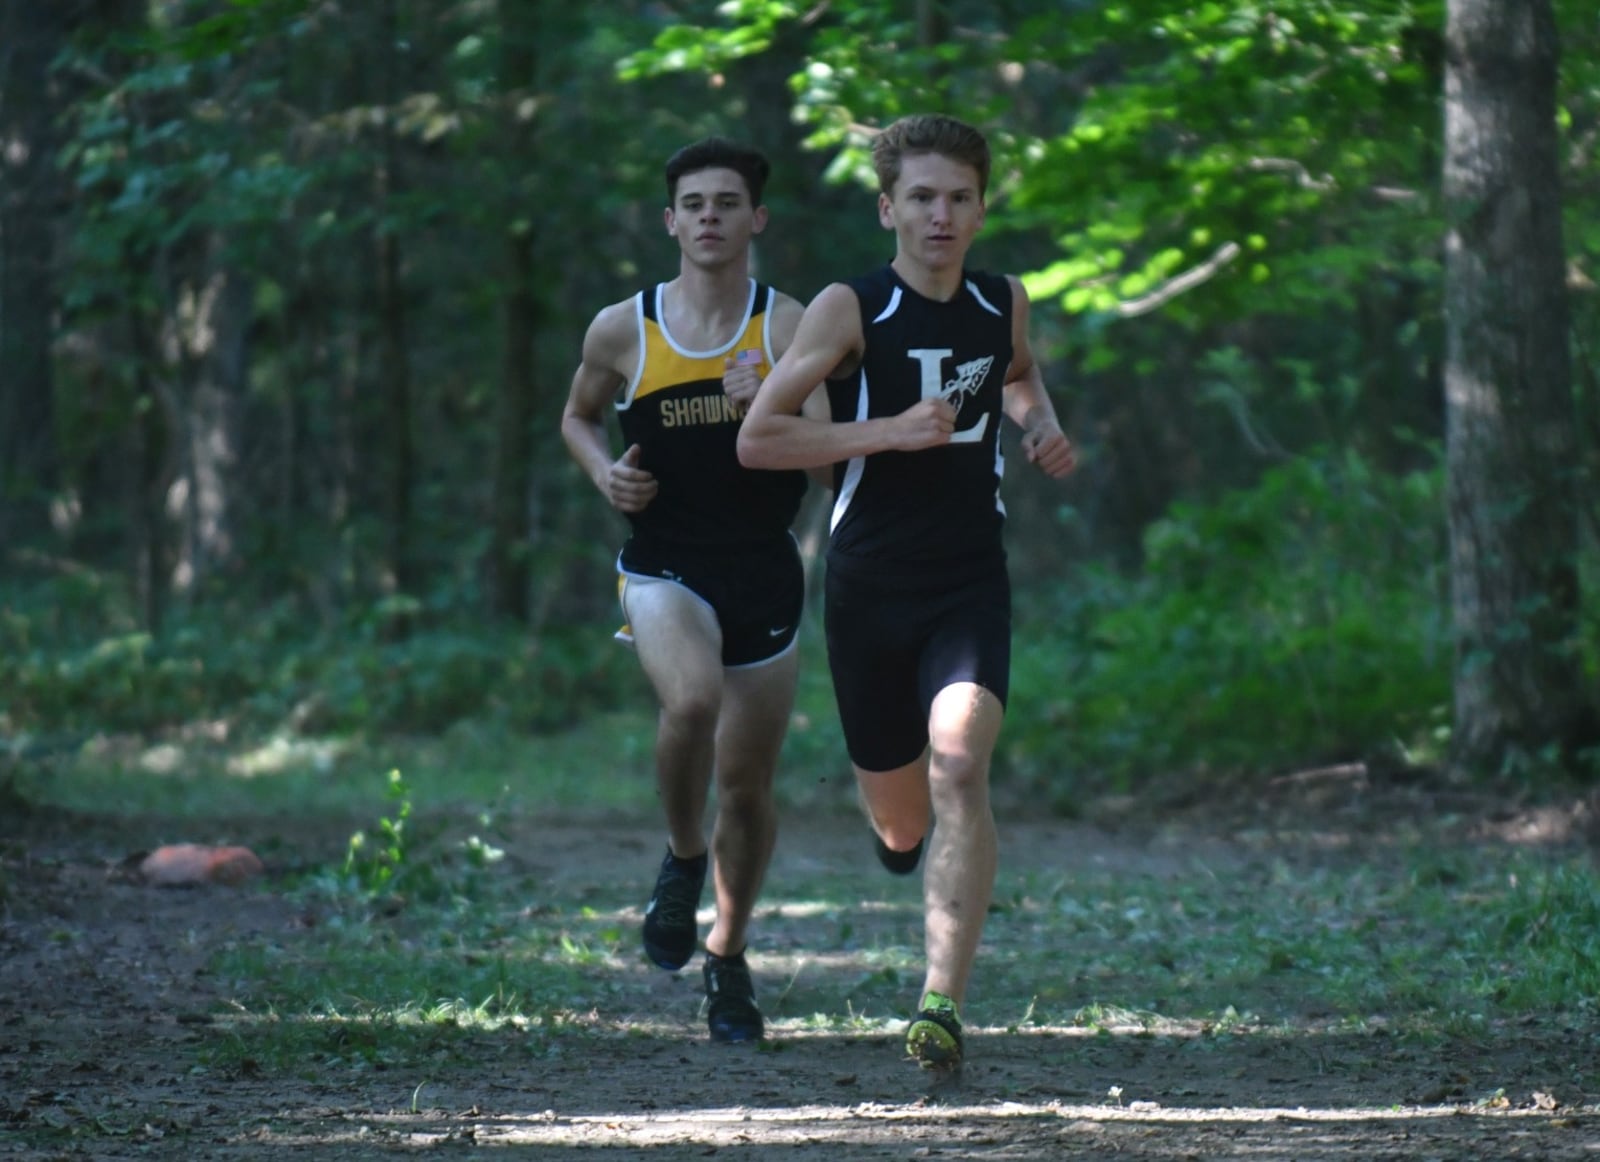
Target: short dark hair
[[929, 133], [719, 153]]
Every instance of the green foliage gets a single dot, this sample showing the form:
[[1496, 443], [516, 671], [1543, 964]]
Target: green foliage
[[391, 864], [126, 682], [1145, 138], [1299, 622], [377, 855], [1133, 143], [77, 666], [1188, 185]]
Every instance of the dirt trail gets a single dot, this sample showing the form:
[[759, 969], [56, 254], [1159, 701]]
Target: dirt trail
[[105, 997]]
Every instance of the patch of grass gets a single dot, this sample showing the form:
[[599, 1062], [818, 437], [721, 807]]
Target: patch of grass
[[1270, 949], [382, 978], [433, 945], [440, 938], [1505, 935], [604, 765], [476, 973]]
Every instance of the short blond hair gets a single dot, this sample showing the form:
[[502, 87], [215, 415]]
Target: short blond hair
[[929, 133]]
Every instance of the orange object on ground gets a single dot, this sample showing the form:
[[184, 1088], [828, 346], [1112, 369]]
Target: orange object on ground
[[180, 864]]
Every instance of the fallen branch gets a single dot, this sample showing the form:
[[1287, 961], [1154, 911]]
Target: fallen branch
[[1317, 774]]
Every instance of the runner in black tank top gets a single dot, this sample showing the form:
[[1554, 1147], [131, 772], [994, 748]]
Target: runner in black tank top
[[921, 360], [917, 593], [939, 505]]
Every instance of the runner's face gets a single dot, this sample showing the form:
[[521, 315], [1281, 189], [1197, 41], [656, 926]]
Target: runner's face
[[935, 210], [712, 217]]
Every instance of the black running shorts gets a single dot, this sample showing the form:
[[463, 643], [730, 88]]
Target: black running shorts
[[894, 644], [756, 593]]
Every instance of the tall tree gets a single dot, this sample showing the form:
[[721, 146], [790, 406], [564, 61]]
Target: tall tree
[[1511, 452], [31, 34], [513, 465], [210, 340], [398, 454]]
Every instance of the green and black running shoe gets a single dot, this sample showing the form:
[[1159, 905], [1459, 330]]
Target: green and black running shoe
[[933, 1039]]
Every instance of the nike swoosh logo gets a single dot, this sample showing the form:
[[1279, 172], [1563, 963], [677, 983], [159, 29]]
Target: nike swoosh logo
[[779, 632]]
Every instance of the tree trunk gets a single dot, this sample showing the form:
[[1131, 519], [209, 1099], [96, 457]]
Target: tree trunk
[[1511, 452], [394, 370], [31, 34], [210, 343], [933, 23], [513, 460], [149, 543]]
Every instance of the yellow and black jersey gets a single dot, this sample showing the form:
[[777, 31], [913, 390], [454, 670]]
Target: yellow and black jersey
[[687, 429]]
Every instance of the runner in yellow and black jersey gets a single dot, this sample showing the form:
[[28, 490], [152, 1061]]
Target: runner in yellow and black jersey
[[711, 583], [687, 427]]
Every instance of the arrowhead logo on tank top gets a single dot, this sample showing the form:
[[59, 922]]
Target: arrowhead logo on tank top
[[968, 378]]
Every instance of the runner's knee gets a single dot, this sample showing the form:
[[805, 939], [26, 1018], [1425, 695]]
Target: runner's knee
[[746, 796], [958, 780], [691, 708]]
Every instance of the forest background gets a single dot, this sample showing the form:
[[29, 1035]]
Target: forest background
[[291, 292]]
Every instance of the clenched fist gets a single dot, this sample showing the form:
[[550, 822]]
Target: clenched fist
[[630, 487], [928, 423], [1043, 444], [740, 384]]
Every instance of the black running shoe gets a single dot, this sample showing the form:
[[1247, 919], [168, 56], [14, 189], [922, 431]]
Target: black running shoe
[[900, 863], [731, 1010], [670, 932]]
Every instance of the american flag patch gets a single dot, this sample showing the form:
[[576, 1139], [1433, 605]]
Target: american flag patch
[[749, 357]]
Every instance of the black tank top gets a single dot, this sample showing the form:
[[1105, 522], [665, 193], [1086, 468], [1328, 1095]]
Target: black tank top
[[939, 506], [687, 430]]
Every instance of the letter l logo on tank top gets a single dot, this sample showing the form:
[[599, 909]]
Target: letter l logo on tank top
[[968, 377]]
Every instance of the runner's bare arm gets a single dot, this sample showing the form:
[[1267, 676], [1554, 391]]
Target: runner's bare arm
[[778, 431], [785, 322], [607, 347], [1027, 401]]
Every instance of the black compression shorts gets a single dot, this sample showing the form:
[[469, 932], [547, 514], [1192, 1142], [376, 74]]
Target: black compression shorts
[[894, 644]]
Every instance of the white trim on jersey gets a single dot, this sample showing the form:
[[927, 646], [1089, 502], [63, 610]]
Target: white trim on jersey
[[733, 341], [624, 403], [854, 469], [626, 400], [999, 475], [977, 294], [766, 326], [999, 453], [894, 305]]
